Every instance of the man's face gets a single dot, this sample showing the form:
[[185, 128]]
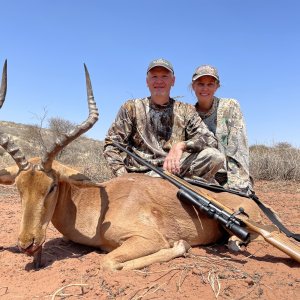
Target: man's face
[[160, 81]]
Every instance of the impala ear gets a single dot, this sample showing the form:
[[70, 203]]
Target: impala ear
[[72, 176], [8, 175], [78, 179]]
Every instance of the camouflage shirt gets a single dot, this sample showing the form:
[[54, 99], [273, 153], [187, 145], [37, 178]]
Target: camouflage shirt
[[226, 121], [151, 130]]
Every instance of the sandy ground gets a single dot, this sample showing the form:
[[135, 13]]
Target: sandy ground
[[73, 271]]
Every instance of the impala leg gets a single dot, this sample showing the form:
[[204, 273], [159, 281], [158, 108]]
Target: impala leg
[[137, 253], [163, 255]]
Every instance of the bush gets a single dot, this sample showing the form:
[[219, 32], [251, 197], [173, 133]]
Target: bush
[[280, 162]]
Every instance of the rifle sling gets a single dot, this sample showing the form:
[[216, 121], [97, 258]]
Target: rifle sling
[[267, 211], [272, 217]]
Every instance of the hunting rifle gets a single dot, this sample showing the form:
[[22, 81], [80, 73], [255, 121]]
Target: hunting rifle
[[238, 226]]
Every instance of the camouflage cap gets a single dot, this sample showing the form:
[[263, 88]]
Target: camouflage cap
[[160, 62], [205, 70]]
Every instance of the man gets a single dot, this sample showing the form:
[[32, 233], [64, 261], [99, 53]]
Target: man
[[163, 131]]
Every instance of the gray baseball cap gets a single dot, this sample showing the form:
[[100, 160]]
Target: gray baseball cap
[[160, 62], [205, 70]]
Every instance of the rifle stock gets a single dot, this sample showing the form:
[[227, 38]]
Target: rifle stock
[[275, 238]]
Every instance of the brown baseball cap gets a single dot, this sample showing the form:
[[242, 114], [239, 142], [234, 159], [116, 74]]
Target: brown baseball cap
[[205, 70], [160, 62]]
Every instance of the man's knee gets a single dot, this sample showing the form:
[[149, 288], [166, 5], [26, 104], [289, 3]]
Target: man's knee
[[214, 155]]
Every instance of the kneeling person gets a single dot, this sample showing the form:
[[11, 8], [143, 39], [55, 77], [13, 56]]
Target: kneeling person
[[165, 132]]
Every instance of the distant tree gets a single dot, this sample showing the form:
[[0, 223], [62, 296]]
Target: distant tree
[[34, 134], [258, 147], [42, 138], [283, 145], [59, 126]]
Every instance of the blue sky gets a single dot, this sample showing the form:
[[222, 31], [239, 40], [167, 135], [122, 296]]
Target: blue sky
[[255, 45]]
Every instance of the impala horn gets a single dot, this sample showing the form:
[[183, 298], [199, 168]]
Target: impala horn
[[3, 84], [67, 138], [5, 141]]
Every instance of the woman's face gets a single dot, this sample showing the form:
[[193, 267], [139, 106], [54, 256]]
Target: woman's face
[[205, 88]]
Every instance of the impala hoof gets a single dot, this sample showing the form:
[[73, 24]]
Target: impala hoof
[[236, 245]]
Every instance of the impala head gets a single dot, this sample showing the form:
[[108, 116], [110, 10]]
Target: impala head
[[37, 179], [38, 191]]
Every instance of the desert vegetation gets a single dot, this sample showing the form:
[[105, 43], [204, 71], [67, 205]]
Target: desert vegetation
[[280, 161], [85, 154]]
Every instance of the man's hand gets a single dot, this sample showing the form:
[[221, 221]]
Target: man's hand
[[172, 160]]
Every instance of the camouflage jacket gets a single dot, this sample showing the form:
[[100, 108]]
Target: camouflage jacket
[[151, 130], [226, 121]]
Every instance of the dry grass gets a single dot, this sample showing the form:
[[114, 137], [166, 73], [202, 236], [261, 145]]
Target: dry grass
[[279, 162], [59, 293], [211, 271]]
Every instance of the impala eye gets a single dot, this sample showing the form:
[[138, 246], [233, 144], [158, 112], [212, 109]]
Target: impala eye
[[53, 187]]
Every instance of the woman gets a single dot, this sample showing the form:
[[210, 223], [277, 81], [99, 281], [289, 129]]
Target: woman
[[224, 118]]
